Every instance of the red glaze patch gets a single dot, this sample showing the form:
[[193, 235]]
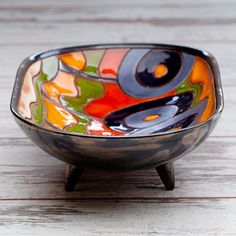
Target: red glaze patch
[[115, 99], [110, 63]]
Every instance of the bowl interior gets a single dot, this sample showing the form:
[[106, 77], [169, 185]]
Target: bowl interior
[[117, 91]]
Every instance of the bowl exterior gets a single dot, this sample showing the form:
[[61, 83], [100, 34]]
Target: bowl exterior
[[118, 154]]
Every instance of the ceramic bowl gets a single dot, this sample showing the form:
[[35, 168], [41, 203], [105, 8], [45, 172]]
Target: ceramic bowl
[[119, 106]]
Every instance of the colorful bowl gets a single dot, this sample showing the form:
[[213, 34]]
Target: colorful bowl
[[119, 106]]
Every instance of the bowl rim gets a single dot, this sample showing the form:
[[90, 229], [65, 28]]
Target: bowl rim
[[42, 55]]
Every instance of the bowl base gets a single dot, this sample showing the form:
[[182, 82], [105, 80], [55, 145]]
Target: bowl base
[[73, 173]]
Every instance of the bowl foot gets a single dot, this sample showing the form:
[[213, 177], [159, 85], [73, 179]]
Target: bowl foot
[[167, 175], [72, 175]]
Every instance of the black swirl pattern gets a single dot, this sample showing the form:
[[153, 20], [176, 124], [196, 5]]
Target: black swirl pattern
[[136, 72]]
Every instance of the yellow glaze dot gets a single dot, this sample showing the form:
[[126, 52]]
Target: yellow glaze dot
[[160, 70], [151, 118]]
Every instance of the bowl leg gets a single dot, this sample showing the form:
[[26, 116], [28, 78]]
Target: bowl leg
[[167, 175], [72, 174]]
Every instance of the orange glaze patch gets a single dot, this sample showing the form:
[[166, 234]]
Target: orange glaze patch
[[151, 118], [111, 61], [201, 74], [58, 116], [98, 128], [176, 129], [63, 84], [75, 60], [115, 99], [160, 71]]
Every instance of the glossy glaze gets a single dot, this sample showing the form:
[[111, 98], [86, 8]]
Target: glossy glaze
[[118, 91]]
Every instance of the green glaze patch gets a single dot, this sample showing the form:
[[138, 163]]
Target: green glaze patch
[[37, 108], [186, 86], [89, 90], [78, 128], [83, 120], [93, 58]]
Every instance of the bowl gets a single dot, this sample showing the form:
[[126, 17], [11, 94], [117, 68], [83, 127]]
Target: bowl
[[118, 106]]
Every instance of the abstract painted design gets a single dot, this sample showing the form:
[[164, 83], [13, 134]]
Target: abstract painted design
[[118, 91]]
